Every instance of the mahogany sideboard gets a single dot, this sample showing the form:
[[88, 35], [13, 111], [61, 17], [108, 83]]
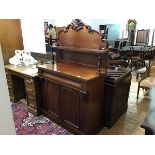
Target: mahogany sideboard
[[73, 87], [71, 91], [72, 96], [22, 85]]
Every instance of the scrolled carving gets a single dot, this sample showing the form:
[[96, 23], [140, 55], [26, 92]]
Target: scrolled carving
[[80, 35], [78, 25]]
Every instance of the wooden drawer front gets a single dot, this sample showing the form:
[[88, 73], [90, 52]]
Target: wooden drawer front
[[10, 90], [12, 99], [7, 72], [29, 81], [9, 81], [10, 87], [31, 101], [29, 86], [62, 80], [11, 94], [8, 76], [30, 89]]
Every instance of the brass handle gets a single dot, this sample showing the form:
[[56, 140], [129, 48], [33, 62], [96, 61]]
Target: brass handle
[[9, 87], [8, 80], [29, 90], [29, 81]]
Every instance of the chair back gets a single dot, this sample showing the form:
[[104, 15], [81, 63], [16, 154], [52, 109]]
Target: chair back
[[142, 37]]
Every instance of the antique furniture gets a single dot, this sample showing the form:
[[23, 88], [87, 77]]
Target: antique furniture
[[73, 87], [23, 83], [142, 37], [137, 55], [147, 79], [117, 87], [131, 31]]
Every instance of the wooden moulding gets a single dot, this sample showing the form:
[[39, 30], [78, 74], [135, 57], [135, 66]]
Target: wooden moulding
[[61, 80], [80, 44], [79, 35]]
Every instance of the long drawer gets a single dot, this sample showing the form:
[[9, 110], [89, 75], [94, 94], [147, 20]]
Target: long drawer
[[64, 81]]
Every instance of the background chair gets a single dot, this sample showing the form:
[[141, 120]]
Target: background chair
[[142, 37], [147, 79]]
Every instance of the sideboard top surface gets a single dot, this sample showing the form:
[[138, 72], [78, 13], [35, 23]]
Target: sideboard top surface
[[71, 69]]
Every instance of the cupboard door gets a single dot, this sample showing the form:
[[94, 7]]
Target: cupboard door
[[10, 37], [70, 107], [50, 97]]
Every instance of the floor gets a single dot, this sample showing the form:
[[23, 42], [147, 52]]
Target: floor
[[129, 123]]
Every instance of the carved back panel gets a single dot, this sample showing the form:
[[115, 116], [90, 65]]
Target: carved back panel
[[79, 35]]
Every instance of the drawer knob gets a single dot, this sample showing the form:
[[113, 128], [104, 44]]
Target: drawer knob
[[84, 94]]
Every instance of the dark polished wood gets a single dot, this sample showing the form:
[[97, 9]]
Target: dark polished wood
[[49, 89], [73, 87], [71, 70], [83, 56], [117, 87], [22, 85], [72, 96], [79, 35]]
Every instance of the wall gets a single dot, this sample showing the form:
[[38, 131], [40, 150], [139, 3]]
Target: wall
[[113, 31], [33, 35], [33, 29], [61, 22], [114, 27], [50, 21], [6, 119]]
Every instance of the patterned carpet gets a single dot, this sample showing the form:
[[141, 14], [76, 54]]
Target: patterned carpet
[[28, 124]]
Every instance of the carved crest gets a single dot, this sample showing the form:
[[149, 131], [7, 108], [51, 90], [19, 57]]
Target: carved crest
[[80, 35], [77, 25]]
